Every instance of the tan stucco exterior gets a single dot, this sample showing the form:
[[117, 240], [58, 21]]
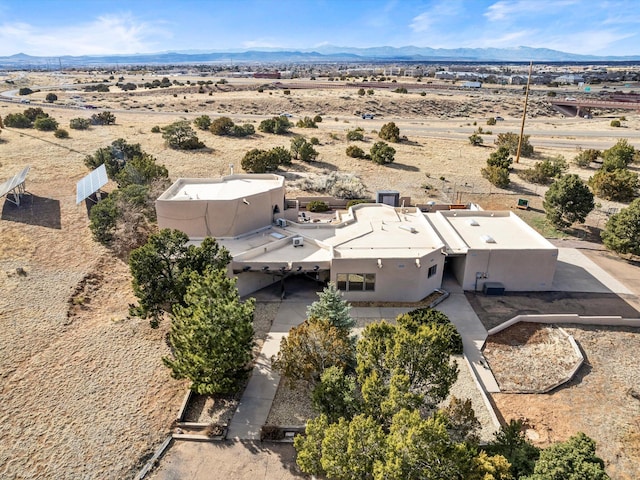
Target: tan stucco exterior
[[373, 252]]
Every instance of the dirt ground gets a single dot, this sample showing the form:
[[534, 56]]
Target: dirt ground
[[602, 399], [85, 394]]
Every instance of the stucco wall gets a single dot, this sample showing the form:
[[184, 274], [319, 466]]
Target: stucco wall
[[517, 270], [399, 279], [219, 218]]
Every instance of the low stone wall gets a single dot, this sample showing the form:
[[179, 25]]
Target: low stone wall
[[615, 321]]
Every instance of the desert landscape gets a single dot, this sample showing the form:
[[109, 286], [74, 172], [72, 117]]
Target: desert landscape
[[85, 393]]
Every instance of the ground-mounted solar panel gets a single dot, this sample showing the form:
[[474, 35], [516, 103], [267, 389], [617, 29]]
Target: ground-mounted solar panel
[[91, 183], [15, 186]]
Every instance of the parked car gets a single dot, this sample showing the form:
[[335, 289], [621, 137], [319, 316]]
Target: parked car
[[499, 119], [288, 115], [367, 116]]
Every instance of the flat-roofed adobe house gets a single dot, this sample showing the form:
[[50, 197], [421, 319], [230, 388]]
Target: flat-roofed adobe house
[[372, 251]]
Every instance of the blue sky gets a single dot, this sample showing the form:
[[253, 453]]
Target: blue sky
[[94, 27]]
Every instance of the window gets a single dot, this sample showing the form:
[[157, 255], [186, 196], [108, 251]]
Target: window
[[432, 271], [356, 282]]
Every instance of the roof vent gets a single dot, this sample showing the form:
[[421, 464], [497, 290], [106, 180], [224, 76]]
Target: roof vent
[[408, 228], [487, 239], [473, 222]]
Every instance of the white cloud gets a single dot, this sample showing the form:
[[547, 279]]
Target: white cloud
[[437, 13], [105, 35], [261, 43], [506, 10]]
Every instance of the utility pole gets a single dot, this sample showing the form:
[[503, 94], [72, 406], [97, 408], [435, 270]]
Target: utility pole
[[524, 113]]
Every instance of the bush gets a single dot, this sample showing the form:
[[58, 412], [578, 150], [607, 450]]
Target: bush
[[510, 140], [261, 161], [586, 157], [545, 172], [155, 129], [303, 150], [314, 141], [34, 112], [51, 97], [355, 135], [491, 121], [317, 206], [390, 132], [317, 119], [79, 123], [500, 158], [358, 201], [306, 122], [400, 90], [17, 120], [243, 130], [203, 122], [476, 140], [180, 136], [221, 126], [277, 125], [45, 124], [361, 92], [103, 118], [25, 91], [354, 151], [61, 133], [496, 175], [619, 185], [382, 154], [615, 123]]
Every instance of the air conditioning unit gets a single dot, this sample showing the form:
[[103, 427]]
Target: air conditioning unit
[[281, 222], [298, 242]]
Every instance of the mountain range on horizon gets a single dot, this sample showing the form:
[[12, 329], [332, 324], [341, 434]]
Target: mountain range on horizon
[[325, 53]]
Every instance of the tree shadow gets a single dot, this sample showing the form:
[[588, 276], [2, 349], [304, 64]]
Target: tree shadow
[[401, 166], [34, 210]]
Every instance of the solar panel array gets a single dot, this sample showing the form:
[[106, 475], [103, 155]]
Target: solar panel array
[[14, 182], [91, 183]]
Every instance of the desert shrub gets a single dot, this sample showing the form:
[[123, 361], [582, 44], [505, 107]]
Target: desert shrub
[[317, 119], [303, 150], [491, 121], [586, 157], [390, 132], [281, 155], [51, 97], [259, 161], [61, 133], [306, 122], [382, 154], [155, 129], [618, 156], [243, 130], [79, 123], [476, 140], [277, 125], [34, 112], [314, 141], [400, 90], [496, 175], [103, 118], [203, 122], [500, 158], [355, 135], [620, 185], [317, 206], [615, 123], [545, 172], [336, 184], [361, 92], [358, 201], [45, 124], [510, 140], [221, 126], [286, 92], [180, 136], [354, 151], [17, 120], [25, 91]]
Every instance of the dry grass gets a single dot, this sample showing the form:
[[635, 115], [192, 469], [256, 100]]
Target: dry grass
[[86, 395]]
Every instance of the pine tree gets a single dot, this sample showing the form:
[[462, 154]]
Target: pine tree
[[212, 334], [331, 306]]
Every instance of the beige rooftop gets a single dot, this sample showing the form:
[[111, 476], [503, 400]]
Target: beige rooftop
[[227, 188]]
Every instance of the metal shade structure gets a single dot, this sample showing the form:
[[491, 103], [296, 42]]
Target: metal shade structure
[[15, 186], [90, 184]]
